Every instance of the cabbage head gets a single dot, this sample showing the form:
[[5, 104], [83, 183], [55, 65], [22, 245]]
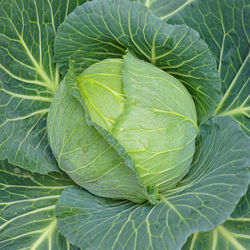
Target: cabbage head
[[132, 133]]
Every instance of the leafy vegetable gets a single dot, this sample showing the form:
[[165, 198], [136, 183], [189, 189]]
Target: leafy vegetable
[[99, 70], [156, 127]]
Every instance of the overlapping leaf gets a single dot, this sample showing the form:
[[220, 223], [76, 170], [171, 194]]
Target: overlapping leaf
[[234, 234], [28, 79], [165, 8], [202, 201], [243, 206], [27, 203], [224, 25], [105, 29]]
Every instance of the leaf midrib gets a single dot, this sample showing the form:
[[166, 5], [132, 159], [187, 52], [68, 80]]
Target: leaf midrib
[[50, 84], [228, 235], [48, 231]]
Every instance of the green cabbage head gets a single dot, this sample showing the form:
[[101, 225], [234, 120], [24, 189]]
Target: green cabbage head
[[123, 129]]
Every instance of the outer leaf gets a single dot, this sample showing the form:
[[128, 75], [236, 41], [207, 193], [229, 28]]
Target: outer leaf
[[224, 25], [104, 29], [244, 122], [204, 200], [28, 79], [234, 234], [27, 203], [165, 8], [243, 206]]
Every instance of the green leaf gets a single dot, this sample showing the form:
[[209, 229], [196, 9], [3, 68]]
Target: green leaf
[[101, 88], [165, 8], [84, 154], [234, 234], [105, 29], [28, 79], [244, 123], [224, 26], [27, 203], [243, 206], [202, 201]]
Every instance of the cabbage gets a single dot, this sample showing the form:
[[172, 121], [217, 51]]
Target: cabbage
[[149, 119], [124, 124]]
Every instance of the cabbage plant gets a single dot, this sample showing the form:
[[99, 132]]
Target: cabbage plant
[[124, 125]]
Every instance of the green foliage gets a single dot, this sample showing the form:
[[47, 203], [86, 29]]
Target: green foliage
[[233, 234], [224, 25], [105, 29], [203, 200], [27, 204], [28, 79], [202, 44]]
